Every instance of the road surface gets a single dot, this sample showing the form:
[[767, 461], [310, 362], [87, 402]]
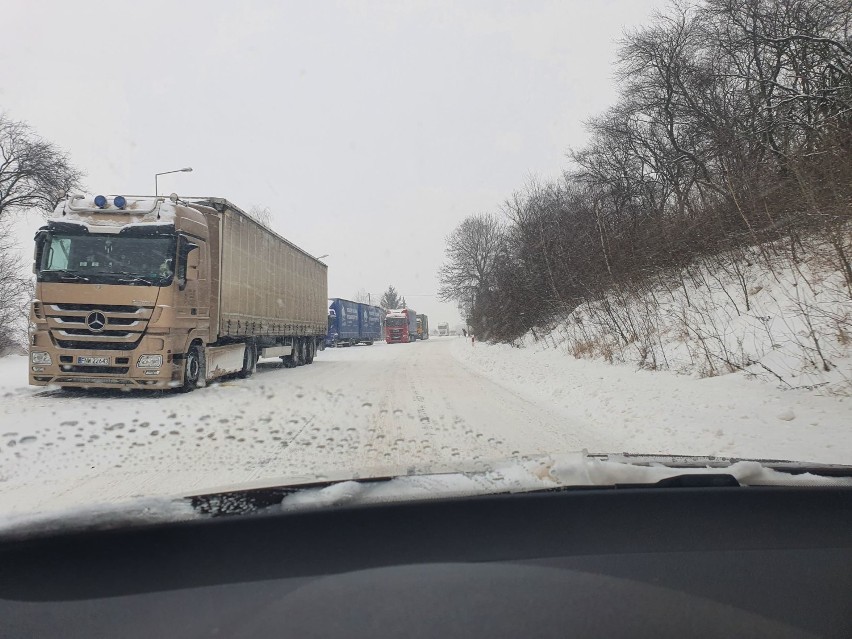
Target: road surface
[[357, 412]]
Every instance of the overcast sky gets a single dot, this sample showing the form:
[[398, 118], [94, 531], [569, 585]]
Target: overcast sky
[[369, 129]]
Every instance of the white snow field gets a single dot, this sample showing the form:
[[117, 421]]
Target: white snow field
[[386, 409]]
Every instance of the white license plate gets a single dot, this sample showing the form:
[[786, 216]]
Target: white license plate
[[93, 361]]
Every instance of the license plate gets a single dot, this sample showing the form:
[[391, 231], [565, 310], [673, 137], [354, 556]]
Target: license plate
[[93, 361]]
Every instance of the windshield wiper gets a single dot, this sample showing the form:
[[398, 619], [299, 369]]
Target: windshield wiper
[[136, 280], [133, 278], [64, 273]]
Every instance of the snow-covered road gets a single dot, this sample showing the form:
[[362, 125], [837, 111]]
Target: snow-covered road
[[375, 410], [362, 410]]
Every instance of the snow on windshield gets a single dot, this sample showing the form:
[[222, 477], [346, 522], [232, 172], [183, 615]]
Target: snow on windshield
[[615, 239]]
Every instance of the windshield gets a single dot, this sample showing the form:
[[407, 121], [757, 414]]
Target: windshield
[[307, 242], [108, 259]]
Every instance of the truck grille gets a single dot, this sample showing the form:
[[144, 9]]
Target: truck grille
[[101, 326]]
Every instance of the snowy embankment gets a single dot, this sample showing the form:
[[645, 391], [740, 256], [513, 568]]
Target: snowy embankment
[[660, 412], [747, 354], [765, 312]]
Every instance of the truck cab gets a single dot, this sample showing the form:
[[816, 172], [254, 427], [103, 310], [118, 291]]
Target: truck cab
[[400, 326], [122, 288]]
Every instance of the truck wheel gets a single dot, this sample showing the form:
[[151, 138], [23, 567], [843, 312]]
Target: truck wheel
[[310, 351], [369, 342], [300, 351], [289, 361], [194, 364], [249, 361]]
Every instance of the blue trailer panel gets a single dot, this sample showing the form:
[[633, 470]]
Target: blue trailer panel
[[352, 322], [371, 322]]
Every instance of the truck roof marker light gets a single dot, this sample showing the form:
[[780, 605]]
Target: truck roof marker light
[[120, 202], [100, 201]]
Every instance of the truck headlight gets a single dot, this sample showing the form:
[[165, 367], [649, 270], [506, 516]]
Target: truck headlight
[[150, 361], [40, 357]]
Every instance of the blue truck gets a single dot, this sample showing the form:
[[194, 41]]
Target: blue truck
[[351, 323]]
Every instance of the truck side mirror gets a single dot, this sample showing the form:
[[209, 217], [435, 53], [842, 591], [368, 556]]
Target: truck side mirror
[[189, 259], [193, 261], [40, 240]]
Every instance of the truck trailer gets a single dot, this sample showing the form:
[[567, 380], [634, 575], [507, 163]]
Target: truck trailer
[[155, 293], [351, 323], [401, 326], [422, 327]]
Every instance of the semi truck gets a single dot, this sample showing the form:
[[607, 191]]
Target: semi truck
[[422, 327], [401, 326], [443, 329], [351, 323], [144, 292]]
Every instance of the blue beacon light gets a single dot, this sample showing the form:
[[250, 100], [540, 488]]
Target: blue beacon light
[[100, 201]]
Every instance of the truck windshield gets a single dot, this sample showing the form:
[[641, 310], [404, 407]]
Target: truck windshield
[[108, 259], [396, 321]]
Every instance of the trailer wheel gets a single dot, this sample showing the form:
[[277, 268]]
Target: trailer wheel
[[289, 361], [194, 373], [310, 351], [249, 361], [300, 351]]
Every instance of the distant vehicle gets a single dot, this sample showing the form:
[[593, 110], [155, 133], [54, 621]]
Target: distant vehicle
[[401, 326], [351, 323], [443, 329], [153, 293], [422, 327]]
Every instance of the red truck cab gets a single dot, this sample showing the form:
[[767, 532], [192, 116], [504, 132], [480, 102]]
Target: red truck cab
[[401, 326]]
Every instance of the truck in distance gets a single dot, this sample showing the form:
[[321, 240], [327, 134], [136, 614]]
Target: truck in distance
[[400, 326], [443, 329], [351, 323], [422, 326], [155, 293]]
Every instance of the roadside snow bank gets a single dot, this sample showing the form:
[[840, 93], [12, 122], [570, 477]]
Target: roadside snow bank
[[660, 412], [762, 311]]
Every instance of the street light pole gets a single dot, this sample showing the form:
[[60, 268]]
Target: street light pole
[[187, 169]]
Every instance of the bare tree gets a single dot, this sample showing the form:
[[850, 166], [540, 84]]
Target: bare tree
[[15, 293], [262, 215], [472, 256], [472, 252], [363, 296], [34, 173]]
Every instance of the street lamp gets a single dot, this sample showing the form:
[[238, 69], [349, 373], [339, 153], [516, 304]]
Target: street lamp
[[187, 169]]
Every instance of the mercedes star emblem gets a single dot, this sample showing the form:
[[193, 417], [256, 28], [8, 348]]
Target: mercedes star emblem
[[96, 321]]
